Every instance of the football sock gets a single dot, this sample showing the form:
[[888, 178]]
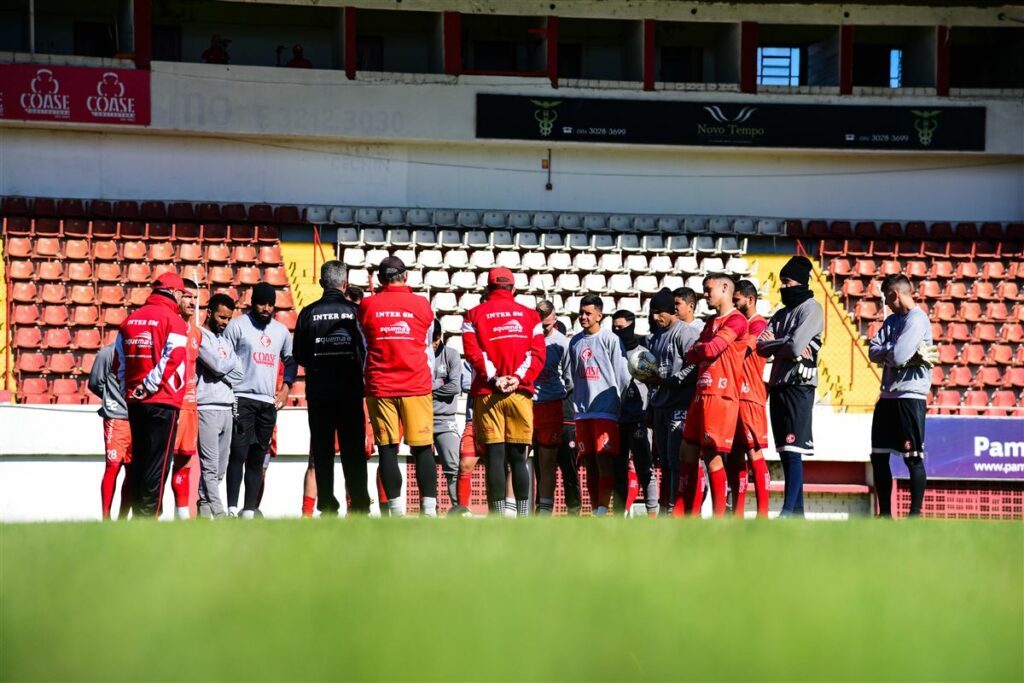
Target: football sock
[[510, 507], [426, 470], [793, 470], [545, 506], [308, 502], [232, 511], [464, 487], [762, 480], [883, 483], [740, 506], [497, 507], [428, 506], [523, 508], [126, 493], [632, 491], [396, 507], [180, 486], [182, 513], [918, 483], [718, 489], [390, 474], [107, 485]]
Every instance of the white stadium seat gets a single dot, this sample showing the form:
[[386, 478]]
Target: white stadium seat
[[367, 216], [444, 302], [415, 279], [392, 217], [569, 221], [424, 237], [646, 284], [502, 239], [603, 242], [408, 256], [668, 224], [455, 342], [455, 258], [354, 257], [451, 239], [437, 279], [743, 226], [464, 281], [418, 218], [542, 282], [543, 221], [466, 219], [349, 237], [705, 244], [535, 261], [720, 226], [478, 239], [571, 306], [679, 244], [444, 218], [644, 224], [528, 300], [732, 245], [629, 242], [527, 240], [594, 283], [577, 241], [559, 261], [637, 263], [688, 265], [342, 215], [661, 264], [696, 225], [431, 258], [629, 303], [451, 324], [619, 224], [712, 264], [373, 237], [568, 282], [359, 277], [738, 265], [552, 241], [585, 261], [696, 283], [643, 326], [495, 220], [316, 214], [654, 243], [519, 220], [508, 259], [469, 300], [703, 310], [610, 263], [673, 282], [621, 283], [375, 256], [769, 227], [482, 259], [595, 223]]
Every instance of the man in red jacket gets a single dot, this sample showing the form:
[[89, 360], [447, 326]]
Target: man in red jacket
[[150, 364], [397, 325], [504, 343]]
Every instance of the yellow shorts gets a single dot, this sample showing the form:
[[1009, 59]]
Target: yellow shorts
[[408, 416], [503, 418]]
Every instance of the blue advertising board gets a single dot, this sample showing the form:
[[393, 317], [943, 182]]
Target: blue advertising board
[[971, 448]]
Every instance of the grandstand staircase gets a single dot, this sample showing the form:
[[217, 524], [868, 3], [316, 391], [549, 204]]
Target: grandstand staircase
[[301, 263], [848, 381], [8, 378]]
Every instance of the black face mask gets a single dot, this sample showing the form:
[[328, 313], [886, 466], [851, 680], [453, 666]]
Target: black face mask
[[628, 336], [795, 295]]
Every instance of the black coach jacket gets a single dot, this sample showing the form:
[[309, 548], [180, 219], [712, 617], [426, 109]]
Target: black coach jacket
[[329, 345]]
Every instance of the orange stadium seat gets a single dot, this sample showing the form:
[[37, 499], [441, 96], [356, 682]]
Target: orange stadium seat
[[190, 252], [959, 332], [996, 311], [162, 268], [873, 329], [938, 333], [929, 289], [961, 250], [114, 316], [839, 267], [17, 225], [88, 338], [110, 336], [988, 376], [287, 213], [181, 211], [993, 270], [853, 288], [287, 318], [1002, 402], [112, 295], [31, 362], [46, 226], [267, 233], [967, 270], [942, 269], [984, 332], [28, 338], [214, 232], [103, 229], [81, 271], [61, 363], [195, 272], [50, 271], [957, 291], [25, 314], [935, 248], [987, 249], [47, 247], [138, 295], [1012, 332], [161, 252], [139, 273], [947, 354], [241, 232], [1015, 378], [76, 250], [15, 206], [134, 250], [55, 315], [108, 272], [85, 316], [18, 247], [975, 402], [833, 248], [83, 294], [944, 311], [76, 227], [54, 293], [134, 230], [244, 253], [64, 387], [915, 269], [86, 361], [866, 310], [276, 276], [35, 386], [221, 275], [59, 338], [217, 253], [970, 311], [44, 206], [960, 376], [890, 267], [248, 275], [284, 299], [21, 270], [208, 212], [967, 231], [270, 255], [875, 289], [984, 290], [260, 213], [795, 229], [938, 376], [1000, 355]]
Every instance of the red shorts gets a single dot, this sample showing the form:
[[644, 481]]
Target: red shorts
[[468, 447], [752, 426], [597, 436], [711, 422], [547, 423], [186, 442], [117, 440]]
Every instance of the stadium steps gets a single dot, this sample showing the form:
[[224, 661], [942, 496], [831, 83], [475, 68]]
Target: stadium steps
[[848, 381], [6, 392], [301, 268]]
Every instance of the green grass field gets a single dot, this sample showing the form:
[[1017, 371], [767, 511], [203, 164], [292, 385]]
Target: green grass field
[[564, 599]]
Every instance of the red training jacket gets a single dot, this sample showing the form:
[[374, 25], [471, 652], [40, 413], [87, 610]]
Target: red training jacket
[[150, 350], [502, 337], [398, 327], [718, 354]]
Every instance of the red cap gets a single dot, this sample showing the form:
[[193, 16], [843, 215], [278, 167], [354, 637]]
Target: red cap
[[171, 281], [500, 276]]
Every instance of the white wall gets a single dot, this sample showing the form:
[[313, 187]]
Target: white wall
[[63, 163]]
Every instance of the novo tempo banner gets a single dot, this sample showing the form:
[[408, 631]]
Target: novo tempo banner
[[730, 124], [30, 92], [970, 448]]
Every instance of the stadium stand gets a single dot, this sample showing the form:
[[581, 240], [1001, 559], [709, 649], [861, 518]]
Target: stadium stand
[[92, 270]]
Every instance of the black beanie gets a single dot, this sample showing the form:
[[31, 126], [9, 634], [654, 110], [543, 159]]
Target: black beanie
[[797, 268], [664, 301], [263, 294]]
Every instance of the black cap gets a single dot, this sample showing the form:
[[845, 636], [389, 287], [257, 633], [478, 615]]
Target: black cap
[[664, 301], [263, 294], [390, 267], [797, 268]]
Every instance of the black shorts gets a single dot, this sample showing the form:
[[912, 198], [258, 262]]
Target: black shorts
[[897, 427], [791, 409]]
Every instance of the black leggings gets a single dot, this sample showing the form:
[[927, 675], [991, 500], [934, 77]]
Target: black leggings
[[391, 474], [883, 483], [494, 462]]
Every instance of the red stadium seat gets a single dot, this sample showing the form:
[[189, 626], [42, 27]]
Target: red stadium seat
[[44, 206], [929, 289], [957, 291], [1000, 355], [961, 250], [967, 270], [127, 210], [1015, 232], [1015, 378], [134, 251], [865, 268], [18, 247], [208, 212], [890, 268], [960, 376], [134, 230], [944, 311], [874, 289], [30, 362], [110, 336], [853, 288], [284, 299], [984, 332], [795, 229], [261, 213], [61, 363], [55, 315], [865, 230], [970, 311], [112, 295], [993, 270], [1012, 333], [856, 247], [873, 328], [948, 354], [195, 272], [938, 334], [85, 316], [992, 231], [987, 249], [271, 255], [52, 271], [160, 231], [975, 402], [35, 390], [17, 225], [114, 316], [276, 276], [81, 271], [215, 232], [967, 232], [161, 252], [942, 269], [187, 231], [46, 226], [83, 294], [86, 362], [139, 273], [287, 214], [959, 332], [154, 211], [138, 295], [77, 227], [988, 376], [268, 233], [190, 252], [76, 250], [241, 232], [15, 206], [64, 387], [162, 268], [217, 253], [833, 248], [59, 338], [233, 213], [103, 229], [938, 377], [244, 253], [941, 231], [935, 248], [1002, 402], [839, 267], [47, 247], [221, 275], [109, 272], [891, 231], [287, 318], [181, 211], [21, 270], [985, 291], [54, 293], [866, 310], [996, 310], [28, 338], [248, 275], [25, 314], [88, 338], [1017, 313]]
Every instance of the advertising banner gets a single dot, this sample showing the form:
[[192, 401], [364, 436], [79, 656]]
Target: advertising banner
[[30, 92], [730, 124], [970, 448]]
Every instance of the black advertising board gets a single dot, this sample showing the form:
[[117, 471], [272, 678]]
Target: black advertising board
[[730, 124]]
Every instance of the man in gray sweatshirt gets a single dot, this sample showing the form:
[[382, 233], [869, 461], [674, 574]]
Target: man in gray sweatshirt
[[217, 370], [600, 376], [261, 344], [447, 387], [117, 434], [904, 349], [674, 385], [793, 339]]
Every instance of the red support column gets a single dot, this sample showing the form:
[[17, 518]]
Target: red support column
[[351, 43], [748, 56], [846, 59], [452, 43], [142, 32], [942, 61], [649, 54], [552, 38]]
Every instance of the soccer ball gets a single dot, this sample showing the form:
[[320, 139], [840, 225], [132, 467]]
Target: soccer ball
[[642, 364]]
